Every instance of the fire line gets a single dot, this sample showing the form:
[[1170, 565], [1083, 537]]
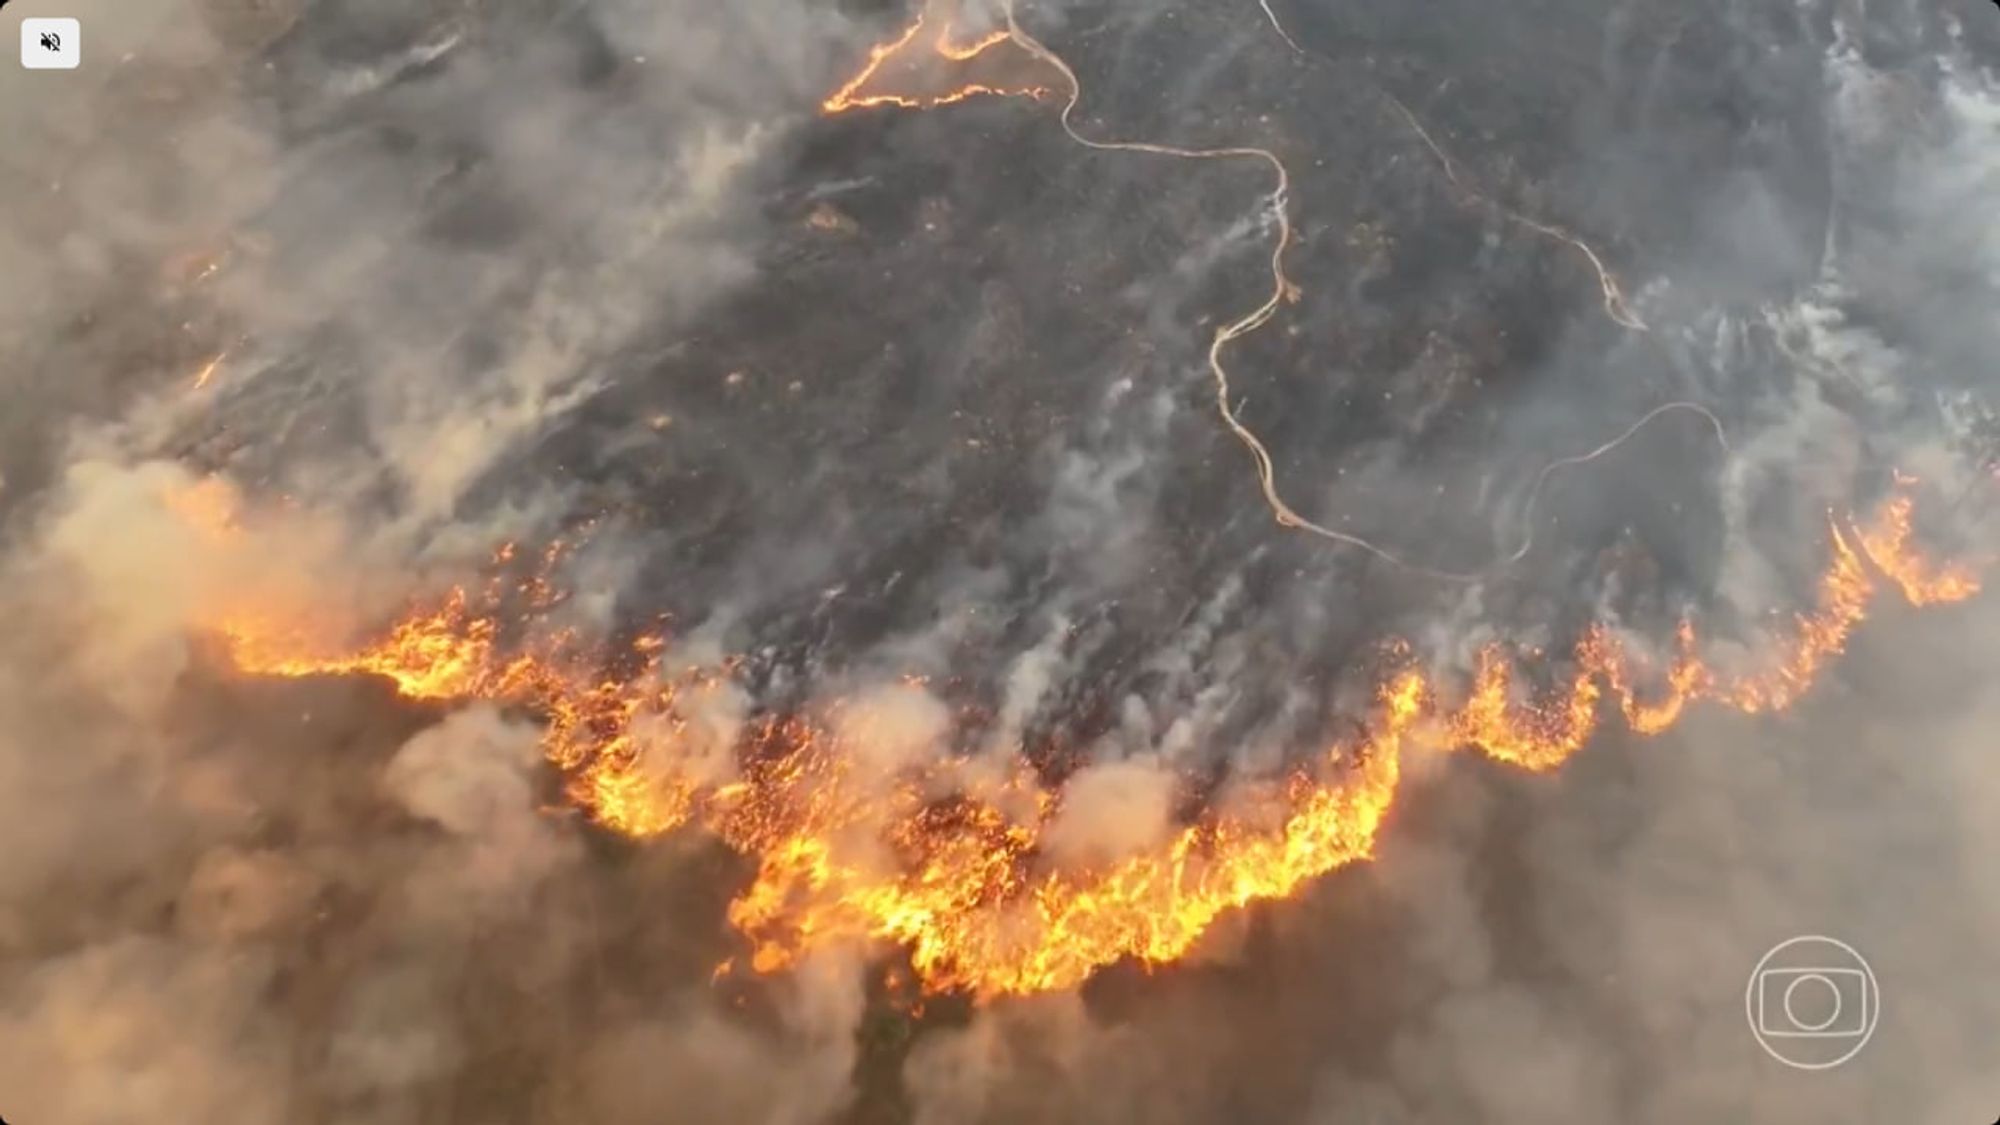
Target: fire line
[[969, 895]]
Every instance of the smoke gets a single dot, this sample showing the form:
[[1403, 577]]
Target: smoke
[[901, 423], [1111, 811]]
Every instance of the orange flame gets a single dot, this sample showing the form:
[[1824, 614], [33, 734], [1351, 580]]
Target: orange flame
[[207, 372], [1887, 547], [959, 880], [453, 653], [905, 52]]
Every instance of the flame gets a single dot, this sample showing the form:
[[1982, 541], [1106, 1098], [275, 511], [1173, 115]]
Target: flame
[[1887, 547], [949, 867], [906, 52], [208, 370], [976, 917], [453, 653]]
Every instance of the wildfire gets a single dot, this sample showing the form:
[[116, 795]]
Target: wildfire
[[993, 71], [944, 855], [1887, 547], [454, 652], [952, 869]]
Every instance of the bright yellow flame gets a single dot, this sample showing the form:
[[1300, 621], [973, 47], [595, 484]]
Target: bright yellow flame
[[958, 881], [1887, 546]]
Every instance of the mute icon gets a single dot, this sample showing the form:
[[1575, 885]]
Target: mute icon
[[51, 44]]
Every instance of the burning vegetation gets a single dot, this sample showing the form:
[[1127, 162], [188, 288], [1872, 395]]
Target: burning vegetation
[[942, 853]]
